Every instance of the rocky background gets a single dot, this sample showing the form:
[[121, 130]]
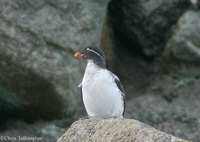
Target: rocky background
[[153, 46]]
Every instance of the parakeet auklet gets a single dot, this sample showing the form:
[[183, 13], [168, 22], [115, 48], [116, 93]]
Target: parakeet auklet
[[102, 92]]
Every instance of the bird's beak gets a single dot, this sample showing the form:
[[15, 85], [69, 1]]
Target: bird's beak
[[78, 55]]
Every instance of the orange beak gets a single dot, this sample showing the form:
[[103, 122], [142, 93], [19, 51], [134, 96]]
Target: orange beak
[[78, 55]]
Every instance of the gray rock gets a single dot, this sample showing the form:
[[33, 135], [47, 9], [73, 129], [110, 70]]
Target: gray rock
[[170, 105], [195, 4], [145, 26], [39, 131], [106, 130], [25, 94], [107, 43], [38, 40], [182, 53]]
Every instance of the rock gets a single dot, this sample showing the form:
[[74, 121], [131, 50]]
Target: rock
[[38, 40], [170, 105], [25, 94], [118, 129], [107, 43], [182, 53], [145, 26], [39, 131], [52, 131], [195, 4]]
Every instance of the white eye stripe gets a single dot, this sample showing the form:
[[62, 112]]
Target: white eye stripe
[[93, 51]]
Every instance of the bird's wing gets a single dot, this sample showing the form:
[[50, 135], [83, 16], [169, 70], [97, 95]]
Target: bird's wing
[[120, 86], [80, 86]]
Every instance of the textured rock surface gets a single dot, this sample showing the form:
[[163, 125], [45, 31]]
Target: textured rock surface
[[170, 105], [25, 94], [144, 26], [169, 102], [39, 77], [195, 4], [108, 130], [40, 131], [38, 39], [182, 53]]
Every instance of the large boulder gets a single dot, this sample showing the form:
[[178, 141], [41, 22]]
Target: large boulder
[[195, 4], [38, 75], [171, 105], [182, 52], [108, 130], [145, 26]]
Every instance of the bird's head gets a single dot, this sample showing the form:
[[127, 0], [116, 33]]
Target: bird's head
[[94, 54]]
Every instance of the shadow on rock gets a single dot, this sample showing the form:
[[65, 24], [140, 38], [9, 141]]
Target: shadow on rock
[[26, 95]]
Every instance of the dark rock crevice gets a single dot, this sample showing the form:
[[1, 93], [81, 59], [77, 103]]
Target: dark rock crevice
[[25, 95], [157, 59], [144, 26]]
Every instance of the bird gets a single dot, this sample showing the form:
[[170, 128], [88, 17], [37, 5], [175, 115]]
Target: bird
[[102, 92]]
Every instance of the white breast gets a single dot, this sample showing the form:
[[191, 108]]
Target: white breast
[[101, 95]]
